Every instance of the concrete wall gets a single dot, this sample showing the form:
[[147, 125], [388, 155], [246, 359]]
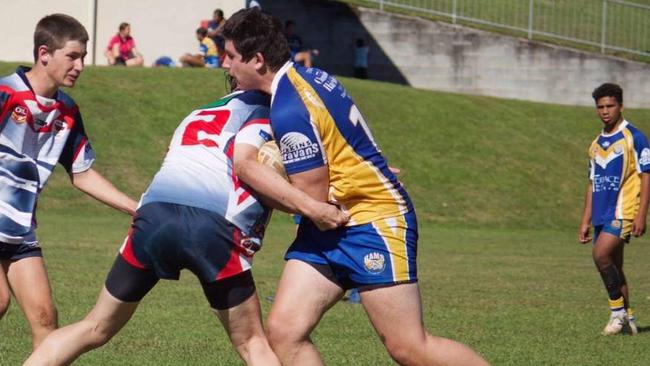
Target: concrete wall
[[159, 27], [442, 56]]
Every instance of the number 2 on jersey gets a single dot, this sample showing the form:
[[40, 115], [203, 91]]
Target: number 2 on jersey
[[214, 127]]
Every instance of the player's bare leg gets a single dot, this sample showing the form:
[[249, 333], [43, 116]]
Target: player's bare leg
[[289, 325], [604, 250], [64, 345], [244, 326], [28, 281], [410, 343], [5, 293], [607, 253]]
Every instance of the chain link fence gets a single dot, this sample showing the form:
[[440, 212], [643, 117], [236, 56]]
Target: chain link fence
[[610, 25]]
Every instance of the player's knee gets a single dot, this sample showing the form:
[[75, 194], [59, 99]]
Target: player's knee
[[401, 352], [254, 344], [280, 332], [97, 333], [43, 317], [273, 331], [406, 350], [601, 259]]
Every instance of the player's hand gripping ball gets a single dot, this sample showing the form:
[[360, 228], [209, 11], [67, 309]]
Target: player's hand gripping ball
[[270, 155]]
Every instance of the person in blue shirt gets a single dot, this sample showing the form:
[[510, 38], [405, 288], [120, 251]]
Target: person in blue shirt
[[616, 201], [299, 53]]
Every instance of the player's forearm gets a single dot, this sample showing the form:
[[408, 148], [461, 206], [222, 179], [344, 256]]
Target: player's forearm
[[586, 210], [95, 185], [274, 190]]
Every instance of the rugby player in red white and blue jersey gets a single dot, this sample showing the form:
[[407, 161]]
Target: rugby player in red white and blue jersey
[[329, 153], [616, 201], [195, 215], [41, 126]]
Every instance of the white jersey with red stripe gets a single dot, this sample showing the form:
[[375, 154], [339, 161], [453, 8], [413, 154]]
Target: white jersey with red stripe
[[35, 134], [198, 168]]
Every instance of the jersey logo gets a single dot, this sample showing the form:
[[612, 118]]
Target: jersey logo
[[618, 149], [603, 158], [374, 262], [645, 157], [266, 136], [19, 114], [297, 147]]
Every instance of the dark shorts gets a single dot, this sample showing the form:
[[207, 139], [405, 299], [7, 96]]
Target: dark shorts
[[165, 238], [130, 284], [14, 252], [381, 252]]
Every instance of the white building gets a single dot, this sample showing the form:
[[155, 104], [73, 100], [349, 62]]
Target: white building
[[159, 27]]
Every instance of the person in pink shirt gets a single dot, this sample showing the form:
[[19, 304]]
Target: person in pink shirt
[[121, 48]]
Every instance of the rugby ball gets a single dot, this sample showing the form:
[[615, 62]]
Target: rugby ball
[[270, 155]]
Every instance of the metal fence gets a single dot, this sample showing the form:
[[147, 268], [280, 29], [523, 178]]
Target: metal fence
[[613, 25]]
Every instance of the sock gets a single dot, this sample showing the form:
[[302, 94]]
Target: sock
[[617, 306], [613, 282]]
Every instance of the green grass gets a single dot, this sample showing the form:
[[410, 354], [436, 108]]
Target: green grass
[[497, 184], [579, 19]]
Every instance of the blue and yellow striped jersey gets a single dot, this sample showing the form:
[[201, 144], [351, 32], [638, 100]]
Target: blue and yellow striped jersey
[[616, 161], [316, 123]]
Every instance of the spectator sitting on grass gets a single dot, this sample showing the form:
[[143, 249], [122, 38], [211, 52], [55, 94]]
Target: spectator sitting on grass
[[121, 48], [207, 56]]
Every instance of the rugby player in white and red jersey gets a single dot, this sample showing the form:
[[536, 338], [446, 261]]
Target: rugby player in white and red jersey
[[41, 126], [196, 215]]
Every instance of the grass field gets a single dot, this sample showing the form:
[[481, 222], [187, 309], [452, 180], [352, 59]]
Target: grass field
[[498, 186]]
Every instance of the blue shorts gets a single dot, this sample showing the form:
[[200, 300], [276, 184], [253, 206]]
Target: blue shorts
[[211, 62], [14, 252], [377, 253], [619, 228], [166, 237]]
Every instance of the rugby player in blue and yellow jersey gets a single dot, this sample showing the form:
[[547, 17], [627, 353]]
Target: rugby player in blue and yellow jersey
[[616, 201], [329, 153]]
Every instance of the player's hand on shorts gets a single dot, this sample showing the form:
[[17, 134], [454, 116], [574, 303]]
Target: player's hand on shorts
[[583, 234], [329, 217], [638, 226]]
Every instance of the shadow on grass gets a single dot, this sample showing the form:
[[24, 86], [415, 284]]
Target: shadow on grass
[[643, 329]]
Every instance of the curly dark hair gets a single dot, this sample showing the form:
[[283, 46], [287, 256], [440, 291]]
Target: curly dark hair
[[608, 90], [252, 31]]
